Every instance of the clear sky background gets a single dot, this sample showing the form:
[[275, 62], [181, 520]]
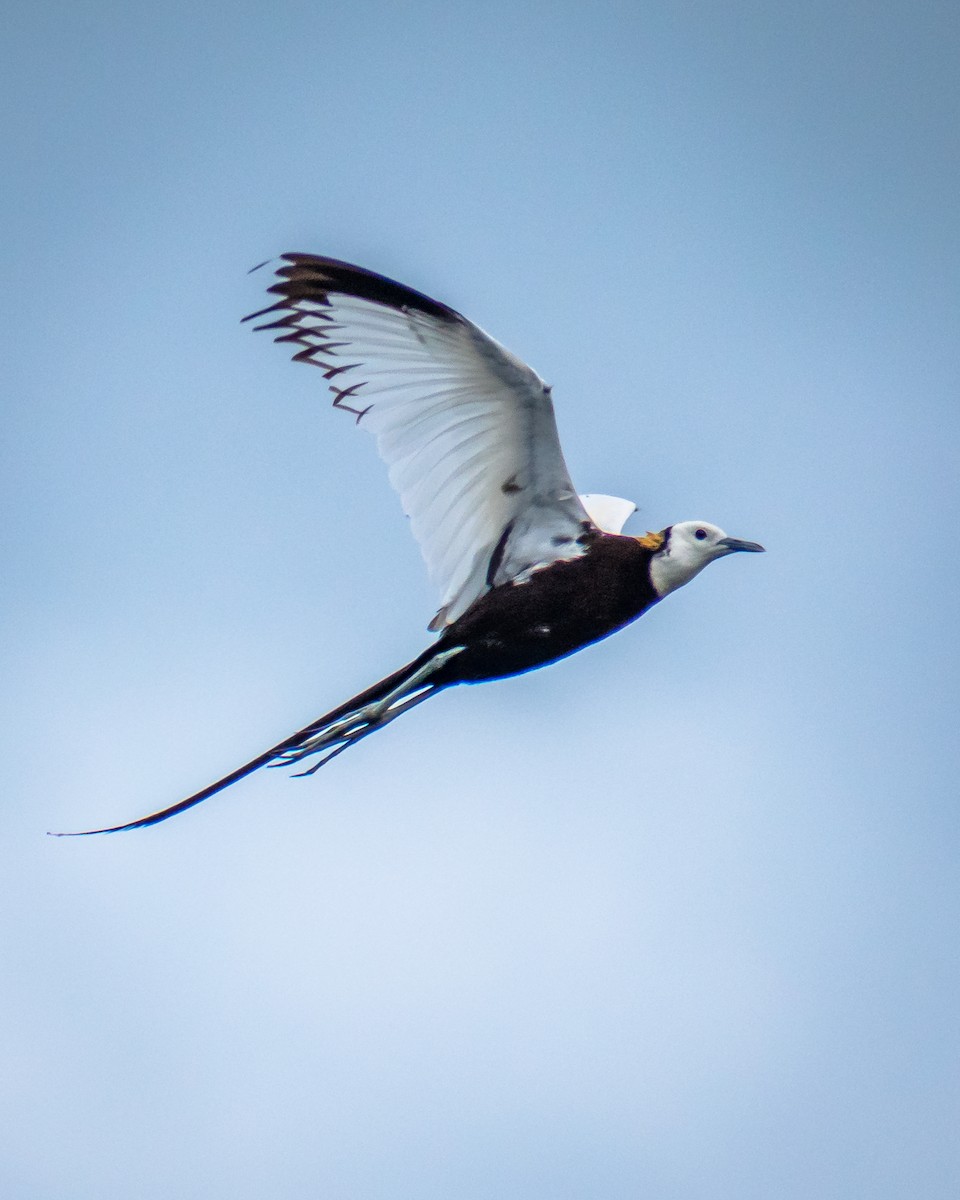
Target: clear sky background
[[675, 919]]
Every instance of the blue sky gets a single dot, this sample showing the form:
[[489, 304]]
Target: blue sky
[[676, 918]]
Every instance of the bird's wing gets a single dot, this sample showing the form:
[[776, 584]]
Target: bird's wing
[[466, 429], [609, 513]]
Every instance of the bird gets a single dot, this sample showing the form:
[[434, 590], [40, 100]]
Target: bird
[[528, 571]]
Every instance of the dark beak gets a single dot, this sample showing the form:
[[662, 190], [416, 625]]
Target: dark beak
[[732, 544]]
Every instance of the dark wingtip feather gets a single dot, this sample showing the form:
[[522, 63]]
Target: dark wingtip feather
[[315, 278]]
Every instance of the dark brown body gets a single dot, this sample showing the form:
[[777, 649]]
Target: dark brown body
[[558, 610]]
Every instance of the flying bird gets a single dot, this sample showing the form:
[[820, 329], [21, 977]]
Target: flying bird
[[527, 570]]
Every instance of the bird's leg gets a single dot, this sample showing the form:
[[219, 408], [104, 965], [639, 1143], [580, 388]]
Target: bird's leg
[[374, 713], [354, 735], [361, 721]]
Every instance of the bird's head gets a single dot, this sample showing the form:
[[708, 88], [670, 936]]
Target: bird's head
[[682, 551]]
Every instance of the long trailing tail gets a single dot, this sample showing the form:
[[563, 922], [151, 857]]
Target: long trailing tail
[[328, 736]]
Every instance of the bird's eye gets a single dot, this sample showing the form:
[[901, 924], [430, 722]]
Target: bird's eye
[[700, 534]]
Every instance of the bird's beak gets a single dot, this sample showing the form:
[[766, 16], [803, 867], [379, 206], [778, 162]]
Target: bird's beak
[[732, 544]]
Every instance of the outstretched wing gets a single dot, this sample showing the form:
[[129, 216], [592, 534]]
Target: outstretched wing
[[466, 429]]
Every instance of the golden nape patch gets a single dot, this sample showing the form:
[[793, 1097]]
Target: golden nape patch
[[651, 541]]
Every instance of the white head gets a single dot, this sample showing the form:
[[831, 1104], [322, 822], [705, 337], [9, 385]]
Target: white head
[[685, 551]]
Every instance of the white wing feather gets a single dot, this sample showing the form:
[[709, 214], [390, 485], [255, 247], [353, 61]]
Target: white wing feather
[[466, 429], [609, 513]]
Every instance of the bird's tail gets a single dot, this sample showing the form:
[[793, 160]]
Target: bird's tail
[[328, 736]]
